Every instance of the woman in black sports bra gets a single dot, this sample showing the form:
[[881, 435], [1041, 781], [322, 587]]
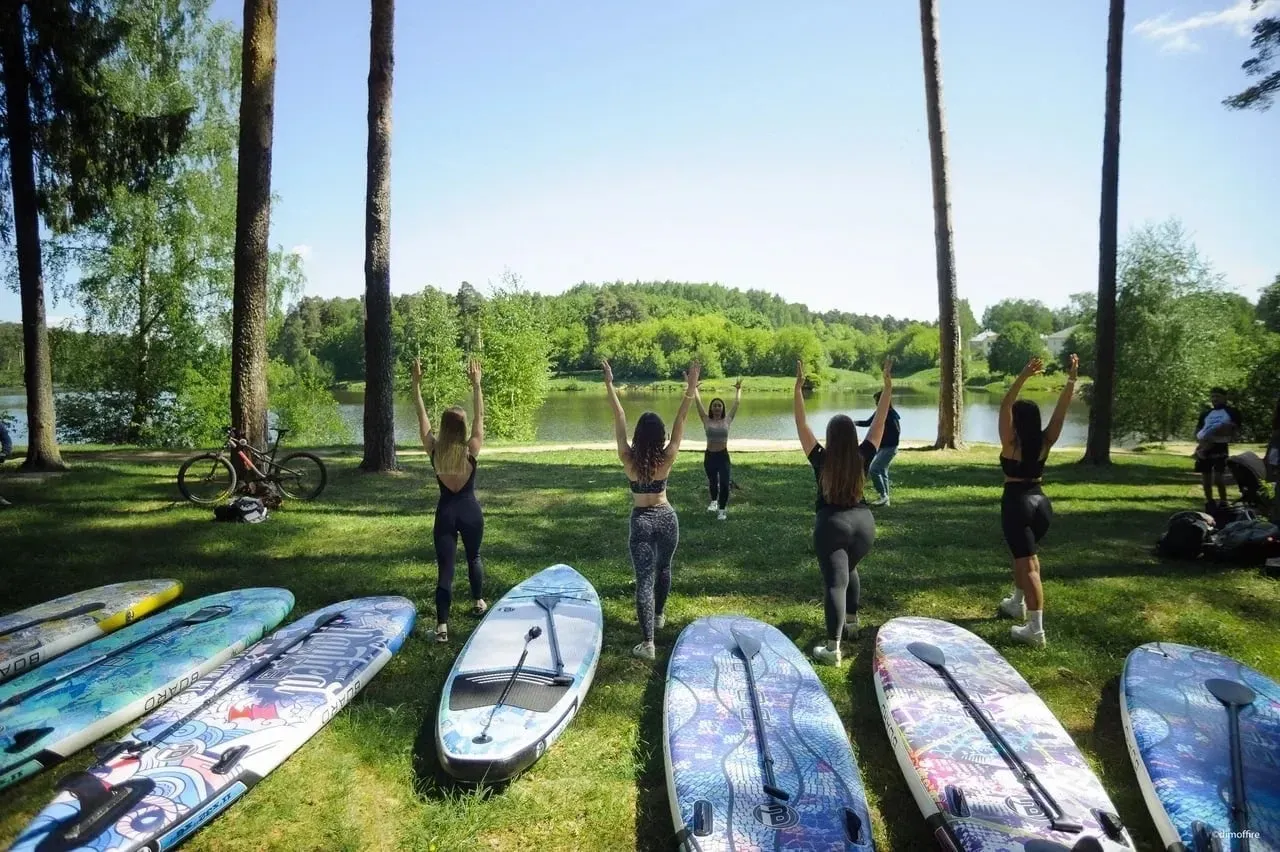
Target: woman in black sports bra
[[1025, 511], [458, 511], [655, 529]]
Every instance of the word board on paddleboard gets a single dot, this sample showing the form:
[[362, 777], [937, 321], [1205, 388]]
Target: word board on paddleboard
[[49, 714], [1186, 754], [204, 749], [756, 755], [988, 763], [38, 634], [521, 677]]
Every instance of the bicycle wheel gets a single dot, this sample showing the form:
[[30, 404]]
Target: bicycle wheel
[[301, 476], [207, 478]]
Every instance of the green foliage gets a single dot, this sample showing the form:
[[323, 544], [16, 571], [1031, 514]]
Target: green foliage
[[915, 348], [10, 354], [1083, 343], [305, 407], [516, 361], [431, 333], [1268, 309], [1015, 346], [1266, 41], [1261, 391], [1030, 312]]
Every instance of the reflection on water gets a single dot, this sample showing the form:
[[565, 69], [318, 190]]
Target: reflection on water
[[585, 416]]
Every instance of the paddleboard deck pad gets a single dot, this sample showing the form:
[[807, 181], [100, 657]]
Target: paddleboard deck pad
[[970, 794], [49, 714], [207, 747], [1178, 736], [494, 721], [38, 634], [713, 755]]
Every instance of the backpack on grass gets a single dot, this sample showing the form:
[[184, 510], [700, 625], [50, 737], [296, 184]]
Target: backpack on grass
[[243, 510], [1251, 542], [1187, 535]]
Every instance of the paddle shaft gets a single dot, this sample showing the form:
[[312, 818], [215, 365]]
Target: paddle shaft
[[506, 690], [83, 609], [749, 646], [1239, 810], [49, 684], [549, 603]]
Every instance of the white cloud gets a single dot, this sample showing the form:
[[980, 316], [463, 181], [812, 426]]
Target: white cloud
[[1174, 35], [303, 251]]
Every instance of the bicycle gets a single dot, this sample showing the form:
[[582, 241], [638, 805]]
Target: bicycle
[[299, 476]]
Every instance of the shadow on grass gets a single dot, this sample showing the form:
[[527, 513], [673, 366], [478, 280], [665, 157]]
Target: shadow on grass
[[655, 829], [1113, 752]]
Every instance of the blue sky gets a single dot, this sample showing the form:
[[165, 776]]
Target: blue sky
[[764, 145]]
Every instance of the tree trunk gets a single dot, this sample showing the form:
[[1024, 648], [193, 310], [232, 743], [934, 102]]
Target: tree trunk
[[379, 413], [42, 443], [142, 344], [951, 385], [1098, 449], [253, 222]]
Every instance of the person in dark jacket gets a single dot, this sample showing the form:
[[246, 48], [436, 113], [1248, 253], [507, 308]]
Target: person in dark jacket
[[1214, 429], [879, 471]]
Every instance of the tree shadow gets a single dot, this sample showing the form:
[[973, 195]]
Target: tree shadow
[[655, 831], [1111, 746]]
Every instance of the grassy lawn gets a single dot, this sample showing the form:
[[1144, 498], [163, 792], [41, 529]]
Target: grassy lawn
[[369, 780]]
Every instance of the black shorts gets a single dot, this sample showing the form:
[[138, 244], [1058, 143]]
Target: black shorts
[[1215, 458], [1025, 515]]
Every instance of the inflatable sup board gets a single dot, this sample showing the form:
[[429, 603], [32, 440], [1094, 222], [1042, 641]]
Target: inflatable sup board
[[204, 749], [521, 677], [756, 755], [988, 763], [38, 634], [1180, 734], [54, 711]]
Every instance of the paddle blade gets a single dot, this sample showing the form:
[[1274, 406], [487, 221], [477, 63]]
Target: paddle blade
[[1232, 693], [929, 654], [747, 644], [207, 613], [547, 602]]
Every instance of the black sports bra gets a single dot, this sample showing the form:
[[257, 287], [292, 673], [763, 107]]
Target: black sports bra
[[653, 486], [1022, 468]]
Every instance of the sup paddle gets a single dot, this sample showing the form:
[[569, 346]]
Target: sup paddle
[[483, 737], [106, 751], [200, 616], [1235, 695], [83, 609], [548, 602], [933, 656], [750, 648]]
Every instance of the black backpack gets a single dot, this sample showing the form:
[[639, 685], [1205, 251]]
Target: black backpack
[[244, 510], [1248, 542], [1187, 535]]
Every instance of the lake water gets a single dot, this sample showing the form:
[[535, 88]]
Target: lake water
[[584, 416]]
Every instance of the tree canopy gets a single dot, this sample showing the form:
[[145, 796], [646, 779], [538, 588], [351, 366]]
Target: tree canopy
[[1266, 42]]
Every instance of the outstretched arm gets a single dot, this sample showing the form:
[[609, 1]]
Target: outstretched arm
[[737, 400], [1060, 410], [477, 403], [424, 424], [1006, 405], [677, 428], [619, 416], [882, 407], [807, 440], [697, 400]]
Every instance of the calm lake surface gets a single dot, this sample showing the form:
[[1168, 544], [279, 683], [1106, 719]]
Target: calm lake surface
[[584, 416]]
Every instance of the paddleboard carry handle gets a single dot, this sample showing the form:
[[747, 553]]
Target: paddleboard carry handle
[[750, 647], [933, 656], [483, 737], [548, 602], [101, 805], [1235, 695], [83, 609]]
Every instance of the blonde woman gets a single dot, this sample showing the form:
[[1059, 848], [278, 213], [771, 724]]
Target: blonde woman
[[458, 512]]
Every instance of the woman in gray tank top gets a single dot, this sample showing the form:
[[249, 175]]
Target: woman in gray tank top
[[715, 461]]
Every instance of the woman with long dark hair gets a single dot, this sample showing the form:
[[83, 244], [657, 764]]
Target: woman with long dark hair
[[655, 530], [844, 528], [1025, 511], [715, 459], [458, 512]]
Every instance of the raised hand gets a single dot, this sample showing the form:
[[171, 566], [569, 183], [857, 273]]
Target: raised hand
[[608, 371], [1073, 366], [692, 374], [886, 369], [415, 372], [1034, 366], [737, 386], [473, 372], [800, 374]]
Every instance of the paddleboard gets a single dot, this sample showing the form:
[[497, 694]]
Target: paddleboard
[[494, 721], [712, 745], [206, 747], [54, 711], [967, 786], [36, 635], [1179, 739]]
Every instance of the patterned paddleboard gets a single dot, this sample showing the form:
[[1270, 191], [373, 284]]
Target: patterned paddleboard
[[712, 746], [970, 795], [1179, 741], [54, 711], [38, 634], [479, 740], [192, 758]]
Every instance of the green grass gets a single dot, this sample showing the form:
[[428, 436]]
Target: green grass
[[369, 780]]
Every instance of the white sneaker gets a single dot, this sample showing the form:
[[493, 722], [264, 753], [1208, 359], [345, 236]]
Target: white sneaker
[[823, 654], [1023, 633], [713, 506], [1016, 611], [852, 627], [660, 621], [645, 651], [879, 501], [721, 515]]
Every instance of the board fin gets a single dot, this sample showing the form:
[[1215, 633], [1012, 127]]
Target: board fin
[[703, 818], [108, 751], [1205, 838], [229, 759], [101, 805], [1111, 824], [957, 804], [853, 827], [26, 738]]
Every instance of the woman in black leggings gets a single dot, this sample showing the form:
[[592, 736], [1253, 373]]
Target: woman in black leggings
[[1025, 511], [715, 460], [844, 529], [655, 529], [458, 511]]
